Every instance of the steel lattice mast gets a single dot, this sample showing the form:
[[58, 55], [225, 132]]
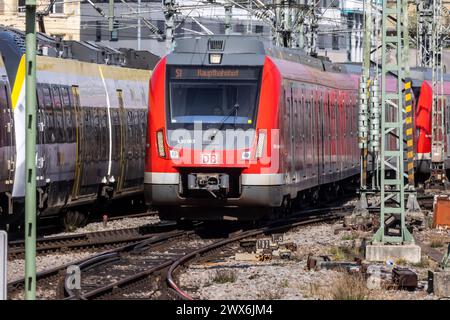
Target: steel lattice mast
[[392, 182], [438, 177]]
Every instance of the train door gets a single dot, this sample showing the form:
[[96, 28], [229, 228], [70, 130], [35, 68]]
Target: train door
[[314, 131], [316, 116], [297, 133], [7, 166], [40, 132], [339, 135], [287, 133], [302, 131], [79, 138], [121, 151], [447, 125], [292, 135], [328, 131]]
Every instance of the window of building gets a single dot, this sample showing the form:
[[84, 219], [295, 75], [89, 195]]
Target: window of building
[[58, 7], [259, 29], [335, 41], [21, 5]]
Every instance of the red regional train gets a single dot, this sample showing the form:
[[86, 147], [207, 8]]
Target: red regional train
[[238, 129]]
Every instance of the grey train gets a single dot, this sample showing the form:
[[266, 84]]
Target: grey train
[[91, 130]]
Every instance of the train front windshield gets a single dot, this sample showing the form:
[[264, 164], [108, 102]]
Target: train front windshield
[[214, 102]]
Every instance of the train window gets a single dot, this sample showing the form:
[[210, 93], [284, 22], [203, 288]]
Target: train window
[[56, 97], [59, 126], [115, 124], [50, 136], [65, 97], [211, 102], [68, 124], [3, 115], [40, 96], [104, 133], [87, 128], [47, 97], [97, 134], [130, 130], [3, 97]]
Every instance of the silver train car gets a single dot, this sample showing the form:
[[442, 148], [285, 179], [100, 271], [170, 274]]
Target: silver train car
[[91, 130]]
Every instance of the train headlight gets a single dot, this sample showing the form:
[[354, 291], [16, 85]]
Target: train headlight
[[246, 155], [160, 143], [215, 58], [261, 142], [174, 154]]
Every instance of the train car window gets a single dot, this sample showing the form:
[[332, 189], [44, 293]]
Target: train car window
[[58, 115], [47, 97], [56, 97], [96, 134], [88, 145], [49, 127], [3, 115], [69, 125], [65, 97], [115, 123], [104, 133], [138, 132], [40, 96]]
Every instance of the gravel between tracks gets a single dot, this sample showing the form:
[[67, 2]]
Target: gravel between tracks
[[113, 225], [285, 279], [16, 268]]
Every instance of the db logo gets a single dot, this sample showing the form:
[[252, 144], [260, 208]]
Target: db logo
[[209, 158]]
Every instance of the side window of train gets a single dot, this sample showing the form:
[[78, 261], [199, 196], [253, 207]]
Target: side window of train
[[130, 128], [3, 115], [104, 132], [49, 130], [68, 114], [86, 113], [58, 114], [116, 126], [96, 133]]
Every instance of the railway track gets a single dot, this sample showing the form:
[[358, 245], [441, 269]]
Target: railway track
[[91, 240], [50, 279], [147, 269]]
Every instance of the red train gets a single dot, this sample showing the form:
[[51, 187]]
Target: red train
[[234, 123]]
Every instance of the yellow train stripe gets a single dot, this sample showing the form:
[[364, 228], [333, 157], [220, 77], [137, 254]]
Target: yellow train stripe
[[18, 83]]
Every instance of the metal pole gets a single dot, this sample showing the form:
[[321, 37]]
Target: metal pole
[[111, 15], [139, 25], [228, 16], [30, 152], [169, 13], [364, 101], [392, 166]]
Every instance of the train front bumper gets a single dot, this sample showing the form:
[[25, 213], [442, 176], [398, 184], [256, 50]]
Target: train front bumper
[[257, 190]]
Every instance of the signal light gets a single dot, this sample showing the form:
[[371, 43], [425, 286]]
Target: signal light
[[160, 144]]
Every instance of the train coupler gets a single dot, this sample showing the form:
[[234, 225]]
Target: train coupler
[[217, 184]]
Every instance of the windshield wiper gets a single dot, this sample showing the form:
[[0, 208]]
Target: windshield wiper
[[235, 110]]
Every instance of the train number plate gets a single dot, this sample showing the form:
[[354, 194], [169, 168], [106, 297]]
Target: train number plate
[[209, 158]]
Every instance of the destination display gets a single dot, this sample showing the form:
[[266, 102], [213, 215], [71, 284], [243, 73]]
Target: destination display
[[178, 73]]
